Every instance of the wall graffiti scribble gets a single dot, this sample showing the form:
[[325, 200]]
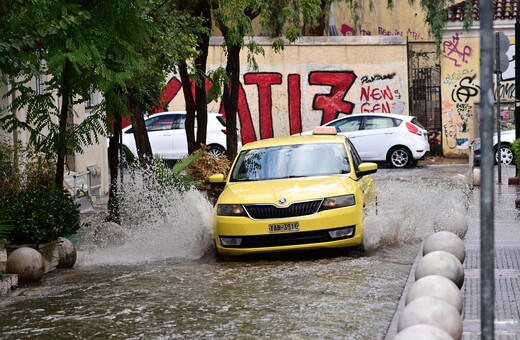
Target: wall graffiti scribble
[[451, 50], [465, 90]]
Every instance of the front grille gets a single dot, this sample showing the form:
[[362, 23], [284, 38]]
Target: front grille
[[288, 239], [268, 211]]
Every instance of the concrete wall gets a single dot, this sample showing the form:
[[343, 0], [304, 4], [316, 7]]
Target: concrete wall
[[460, 87], [312, 82]]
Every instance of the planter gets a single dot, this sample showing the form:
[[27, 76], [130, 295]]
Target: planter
[[50, 252], [514, 181]]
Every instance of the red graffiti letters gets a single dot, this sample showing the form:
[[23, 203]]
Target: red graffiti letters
[[375, 99], [332, 103], [263, 82]]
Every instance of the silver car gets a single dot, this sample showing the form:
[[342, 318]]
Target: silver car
[[506, 155]]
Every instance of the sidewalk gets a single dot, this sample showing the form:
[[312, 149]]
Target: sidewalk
[[507, 266]]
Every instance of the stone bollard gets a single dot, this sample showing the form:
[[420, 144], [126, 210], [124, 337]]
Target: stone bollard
[[445, 241], [441, 263], [437, 286], [423, 332], [434, 311], [68, 253], [27, 263], [476, 177]]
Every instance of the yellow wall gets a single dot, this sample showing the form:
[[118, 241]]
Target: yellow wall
[[405, 20], [368, 73]]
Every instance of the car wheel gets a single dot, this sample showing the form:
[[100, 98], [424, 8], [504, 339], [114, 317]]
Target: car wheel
[[357, 251], [506, 155], [400, 157], [216, 150]]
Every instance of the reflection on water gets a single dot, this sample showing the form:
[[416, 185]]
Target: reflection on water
[[165, 282]]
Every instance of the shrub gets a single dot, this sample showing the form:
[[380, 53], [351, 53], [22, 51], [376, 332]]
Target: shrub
[[205, 166], [516, 151], [41, 214]]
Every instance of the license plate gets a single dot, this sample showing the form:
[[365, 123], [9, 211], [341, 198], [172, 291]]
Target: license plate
[[281, 227]]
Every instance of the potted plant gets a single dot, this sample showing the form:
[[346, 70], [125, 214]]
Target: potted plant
[[39, 216]]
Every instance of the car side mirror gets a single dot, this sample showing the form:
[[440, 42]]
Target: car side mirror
[[217, 179], [366, 169]]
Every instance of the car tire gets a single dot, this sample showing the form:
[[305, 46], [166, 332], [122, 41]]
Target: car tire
[[357, 251], [400, 157], [216, 150], [506, 155]]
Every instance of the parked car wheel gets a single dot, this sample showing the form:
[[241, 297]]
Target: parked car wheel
[[216, 150], [400, 157], [506, 155]]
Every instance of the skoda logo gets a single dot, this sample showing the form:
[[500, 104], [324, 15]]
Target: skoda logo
[[282, 201]]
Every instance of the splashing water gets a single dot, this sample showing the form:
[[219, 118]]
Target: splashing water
[[409, 211], [158, 222], [164, 223]]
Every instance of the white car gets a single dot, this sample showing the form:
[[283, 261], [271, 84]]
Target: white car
[[384, 137], [168, 136]]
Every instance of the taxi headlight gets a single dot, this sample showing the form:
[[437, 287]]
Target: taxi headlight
[[338, 202], [230, 210]]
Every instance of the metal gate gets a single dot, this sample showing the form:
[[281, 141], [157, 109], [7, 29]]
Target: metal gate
[[425, 91]]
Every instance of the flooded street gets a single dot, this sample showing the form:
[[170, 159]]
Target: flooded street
[[165, 281]]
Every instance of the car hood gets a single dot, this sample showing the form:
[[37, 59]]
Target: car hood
[[293, 189]]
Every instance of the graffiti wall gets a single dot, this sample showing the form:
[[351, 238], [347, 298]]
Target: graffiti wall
[[460, 87], [311, 83]]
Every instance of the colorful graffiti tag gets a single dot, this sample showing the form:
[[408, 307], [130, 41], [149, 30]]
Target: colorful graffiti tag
[[374, 95]]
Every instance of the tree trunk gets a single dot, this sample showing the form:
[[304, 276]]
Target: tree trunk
[[62, 147], [113, 164], [142, 142], [190, 107], [201, 103], [230, 99]]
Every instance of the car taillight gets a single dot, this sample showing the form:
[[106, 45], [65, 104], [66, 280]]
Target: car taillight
[[413, 129], [224, 130]]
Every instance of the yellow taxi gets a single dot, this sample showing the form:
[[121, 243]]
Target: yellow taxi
[[294, 193]]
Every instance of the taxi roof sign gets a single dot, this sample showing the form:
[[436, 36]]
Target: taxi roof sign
[[325, 130]]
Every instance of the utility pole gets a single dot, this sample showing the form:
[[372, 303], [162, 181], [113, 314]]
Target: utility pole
[[487, 162], [517, 78]]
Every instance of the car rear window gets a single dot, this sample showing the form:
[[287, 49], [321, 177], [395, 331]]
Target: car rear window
[[416, 122], [291, 161], [222, 120]]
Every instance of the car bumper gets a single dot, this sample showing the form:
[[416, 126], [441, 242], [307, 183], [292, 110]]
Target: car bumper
[[314, 232]]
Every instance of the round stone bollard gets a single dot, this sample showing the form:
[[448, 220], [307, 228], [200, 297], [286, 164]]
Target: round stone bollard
[[438, 286], [434, 311], [476, 177], [423, 332], [441, 263], [446, 241], [68, 253], [27, 263]]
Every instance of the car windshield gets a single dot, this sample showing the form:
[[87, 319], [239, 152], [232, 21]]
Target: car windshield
[[290, 161]]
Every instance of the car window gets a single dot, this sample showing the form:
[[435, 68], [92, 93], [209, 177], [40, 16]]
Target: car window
[[179, 121], [159, 123], [348, 124], [356, 158], [374, 123], [289, 161], [416, 122], [222, 120]]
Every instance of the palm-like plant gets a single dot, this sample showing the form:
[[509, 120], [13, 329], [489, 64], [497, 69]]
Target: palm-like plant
[[5, 224]]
